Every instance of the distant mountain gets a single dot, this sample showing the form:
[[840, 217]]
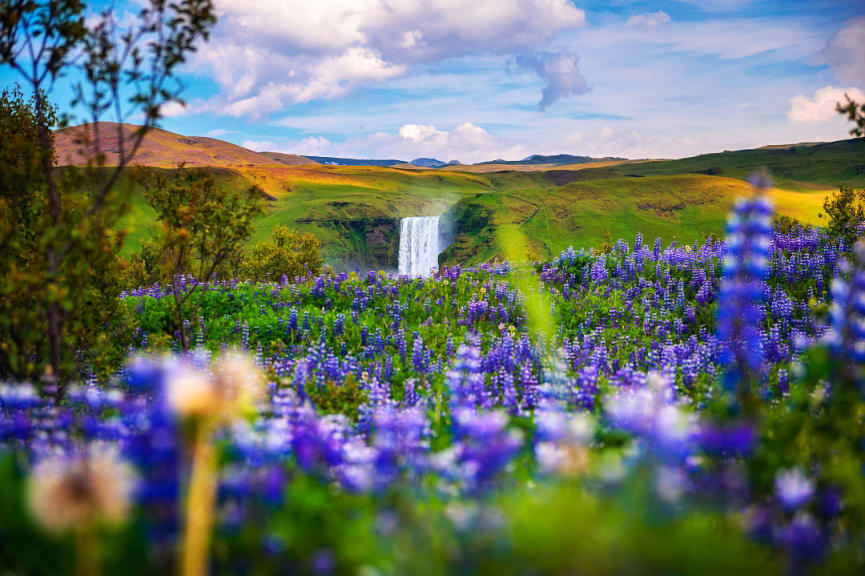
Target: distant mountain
[[289, 159], [159, 148], [353, 161], [428, 163], [554, 159]]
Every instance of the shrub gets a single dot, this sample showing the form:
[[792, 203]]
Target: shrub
[[845, 214], [144, 268], [287, 252]]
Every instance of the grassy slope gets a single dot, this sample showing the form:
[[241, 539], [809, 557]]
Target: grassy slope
[[577, 205], [583, 213], [797, 167]]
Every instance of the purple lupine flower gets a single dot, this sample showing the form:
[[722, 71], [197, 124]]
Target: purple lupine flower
[[466, 380], [399, 441], [740, 314], [652, 414], [485, 446], [846, 335]]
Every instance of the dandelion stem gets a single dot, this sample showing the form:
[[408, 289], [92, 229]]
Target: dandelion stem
[[200, 497], [86, 552]]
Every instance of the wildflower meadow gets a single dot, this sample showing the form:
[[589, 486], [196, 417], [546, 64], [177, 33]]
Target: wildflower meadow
[[652, 408]]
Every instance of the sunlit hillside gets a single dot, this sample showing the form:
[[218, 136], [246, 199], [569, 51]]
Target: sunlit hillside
[[354, 210]]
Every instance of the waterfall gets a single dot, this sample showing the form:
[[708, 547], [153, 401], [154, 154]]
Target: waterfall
[[418, 245]]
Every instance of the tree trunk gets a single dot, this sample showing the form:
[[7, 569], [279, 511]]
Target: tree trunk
[[52, 260]]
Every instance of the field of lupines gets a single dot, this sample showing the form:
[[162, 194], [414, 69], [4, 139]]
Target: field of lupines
[[674, 409]]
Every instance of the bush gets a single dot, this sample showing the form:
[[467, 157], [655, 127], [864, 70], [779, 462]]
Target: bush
[[786, 225], [144, 268], [287, 252], [845, 214]]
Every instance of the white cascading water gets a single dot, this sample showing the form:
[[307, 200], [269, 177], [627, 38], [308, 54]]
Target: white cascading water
[[418, 245]]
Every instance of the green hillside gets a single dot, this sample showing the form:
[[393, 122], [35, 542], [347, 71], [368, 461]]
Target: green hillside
[[355, 210], [798, 167]]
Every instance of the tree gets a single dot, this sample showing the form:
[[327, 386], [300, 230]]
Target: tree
[[287, 253], [88, 292], [844, 212], [125, 70], [21, 179], [855, 112], [203, 225]]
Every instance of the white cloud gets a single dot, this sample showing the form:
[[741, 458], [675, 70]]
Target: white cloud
[[728, 38], [315, 146], [467, 143], [821, 108], [173, 109], [846, 52], [217, 132], [259, 145], [559, 70], [270, 53], [419, 132], [650, 20]]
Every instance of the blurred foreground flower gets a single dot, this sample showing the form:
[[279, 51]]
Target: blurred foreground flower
[[208, 399], [562, 440], [653, 414], [740, 315], [846, 334], [231, 390], [794, 489], [81, 492]]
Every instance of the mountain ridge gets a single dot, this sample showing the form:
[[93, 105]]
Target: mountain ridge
[[164, 149]]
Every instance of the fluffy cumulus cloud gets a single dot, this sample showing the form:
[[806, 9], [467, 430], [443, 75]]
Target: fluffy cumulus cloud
[[650, 20], [466, 142], [821, 108], [270, 53], [560, 72], [846, 52]]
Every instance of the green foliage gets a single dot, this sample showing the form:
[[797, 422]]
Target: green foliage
[[203, 226], [21, 203], [844, 212], [339, 397], [65, 281], [785, 224], [854, 112], [558, 528], [82, 286], [144, 268], [286, 253]]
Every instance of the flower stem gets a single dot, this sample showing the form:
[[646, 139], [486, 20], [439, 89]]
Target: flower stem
[[200, 500], [86, 552]]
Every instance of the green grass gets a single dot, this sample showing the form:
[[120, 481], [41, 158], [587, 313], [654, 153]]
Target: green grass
[[354, 211], [798, 168]]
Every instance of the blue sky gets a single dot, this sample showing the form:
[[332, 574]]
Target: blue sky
[[481, 79]]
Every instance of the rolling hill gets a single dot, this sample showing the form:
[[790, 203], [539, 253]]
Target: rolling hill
[[161, 148], [800, 166], [355, 210]]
